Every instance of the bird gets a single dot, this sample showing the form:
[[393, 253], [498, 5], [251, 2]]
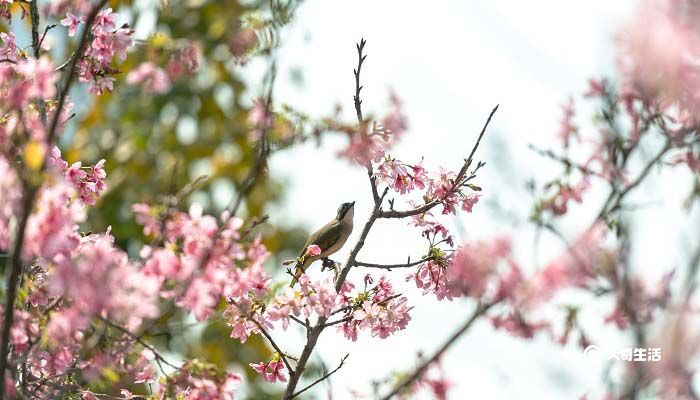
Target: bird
[[329, 238]]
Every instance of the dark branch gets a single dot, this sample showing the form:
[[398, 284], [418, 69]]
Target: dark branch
[[565, 161], [29, 195], [360, 59], [460, 179], [84, 38], [323, 378], [269, 338], [418, 373], [389, 267], [143, 343]]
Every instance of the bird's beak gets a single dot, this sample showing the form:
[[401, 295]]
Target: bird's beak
[[352, 204]]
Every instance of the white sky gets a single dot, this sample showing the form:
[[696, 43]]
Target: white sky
[[451, 62]]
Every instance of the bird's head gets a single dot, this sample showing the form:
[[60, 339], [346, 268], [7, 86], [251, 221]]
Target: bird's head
[[345, 211]]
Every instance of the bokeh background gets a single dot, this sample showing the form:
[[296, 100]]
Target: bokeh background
[[449, 62]]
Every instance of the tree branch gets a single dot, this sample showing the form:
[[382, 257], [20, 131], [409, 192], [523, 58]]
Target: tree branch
[[360, 59], [29, 195], [567, 162], [314, 333], [418, 373], [360, 119], [143, 343], [71, 72], [323, 378], [458, 182], [617, 198], [269, 338], [389, 267]]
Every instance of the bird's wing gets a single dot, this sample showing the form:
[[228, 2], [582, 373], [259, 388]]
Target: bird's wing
[[325, 237]]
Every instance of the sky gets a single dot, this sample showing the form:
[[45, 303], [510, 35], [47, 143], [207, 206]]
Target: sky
[[450, 62]]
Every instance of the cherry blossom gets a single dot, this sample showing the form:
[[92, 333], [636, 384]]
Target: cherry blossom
[[153, 78], [271, 371], [72, 22]]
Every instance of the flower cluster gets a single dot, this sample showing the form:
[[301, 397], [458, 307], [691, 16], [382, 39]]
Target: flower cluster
[[203, 254], [402, 177], [313, 298], [199, 380], [377, 309], [657, 58], [153, 79], [108, 42], [22, 81], [183, 61], [88, 182], [368, 147], [271, 371]]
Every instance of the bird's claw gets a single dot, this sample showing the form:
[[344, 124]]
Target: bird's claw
[[327, 264]]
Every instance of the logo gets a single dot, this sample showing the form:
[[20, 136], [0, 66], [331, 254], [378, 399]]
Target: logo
[[624, 354]]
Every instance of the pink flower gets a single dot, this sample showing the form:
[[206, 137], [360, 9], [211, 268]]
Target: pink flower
[[52, 231], [380, 312], [474, 265], [597, 88], [56, 161], [567, 127], [469, 201], [105, 21], [238, 316], [431, 276], [658, 52], [184, 61], [101, 84], [516, 325], [72, 22], [313, 250], [366, 148], [153, 78], [146, 216], [164, 264], [75, 174], [271, 371], [395, 121], [40, 78], [401, 177], [578, 266]]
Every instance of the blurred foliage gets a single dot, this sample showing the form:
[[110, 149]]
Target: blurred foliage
[[156, 144]]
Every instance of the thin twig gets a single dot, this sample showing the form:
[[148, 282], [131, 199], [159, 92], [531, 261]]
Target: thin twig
[[418, 373], [138, 339], [392, 266], [72, 71], [346, 308], [567, 162], [300, 322], [269, 338], [323, 378], [460, 179], [360, 60], [617, 199]]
